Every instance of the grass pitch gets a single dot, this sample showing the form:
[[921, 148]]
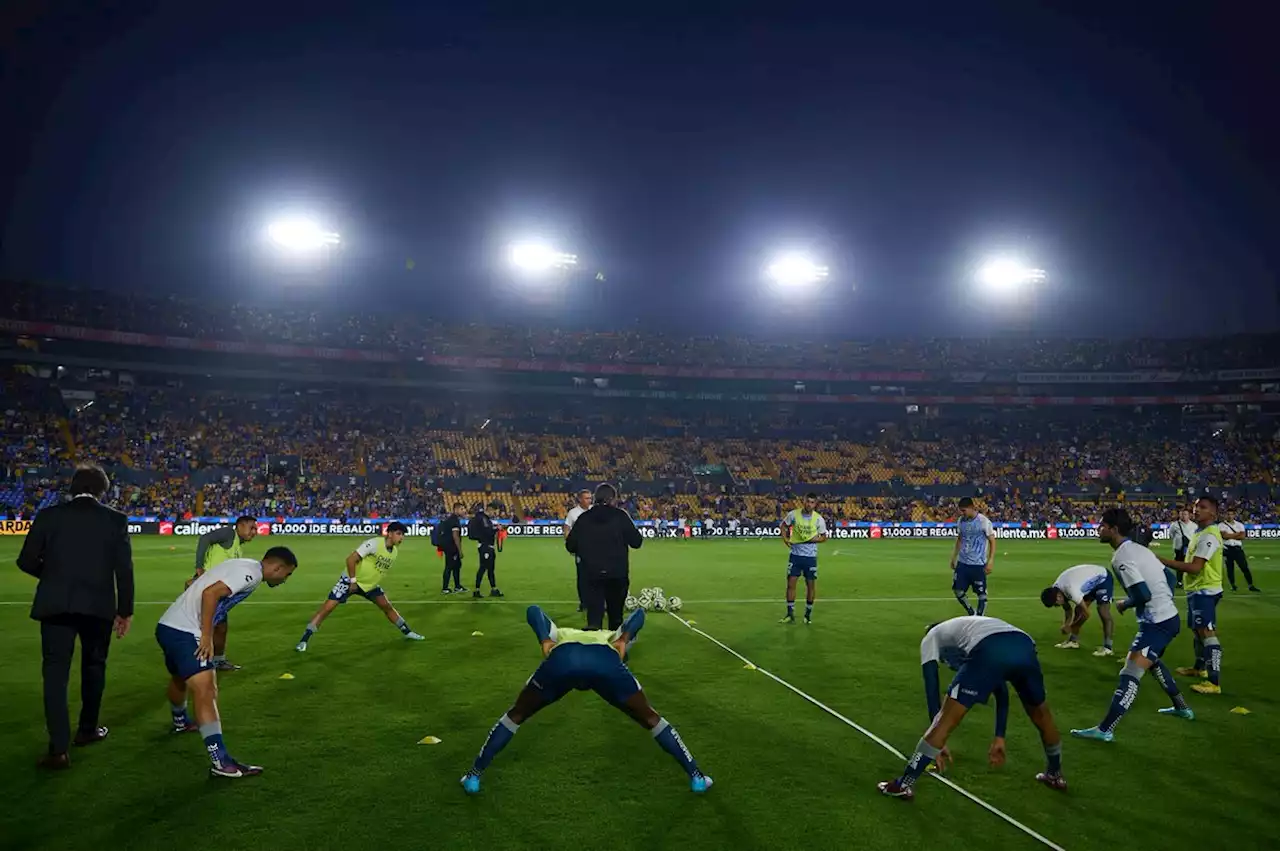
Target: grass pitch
[[344, 769]]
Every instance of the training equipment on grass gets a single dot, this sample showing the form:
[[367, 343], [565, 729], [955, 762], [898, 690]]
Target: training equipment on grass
[[675, 604], [631, 603], [286, 676]]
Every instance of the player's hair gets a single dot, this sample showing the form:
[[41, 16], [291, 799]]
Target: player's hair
[[966, 502], [90, 479], [1049, 597], [397, 526], [461, 505], [811, 495], [247, 519], [1212, 500], [605, 494], [1119, 519], [281, 554]]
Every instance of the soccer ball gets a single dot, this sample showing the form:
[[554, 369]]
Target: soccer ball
[[675, 604], [631, 603], [646, 599], [659, 603], [659, 594]]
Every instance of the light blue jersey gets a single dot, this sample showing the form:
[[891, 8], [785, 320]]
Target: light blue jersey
[[973, 539], [805, 526]]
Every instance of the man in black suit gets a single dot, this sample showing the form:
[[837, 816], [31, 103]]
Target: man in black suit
[[602, 538], [80, 552]]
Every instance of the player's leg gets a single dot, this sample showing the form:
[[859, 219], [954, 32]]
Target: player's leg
[[810, 594], [1150, 642], [636, 705], [379, 598], [930, 747], [1022, 670], [1202, 611], [792, 577], [177, 694], [979, 583], [337, 596], [960, 587], [543, 689], [203, 688], [1051, 740], [1108, 628]]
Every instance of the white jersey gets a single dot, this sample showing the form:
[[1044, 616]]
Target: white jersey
[[1182, 531], [1234, 527], [1077, 582], [241, 575], [959, 636], [1134, 563], [572, 517], [974, 535]]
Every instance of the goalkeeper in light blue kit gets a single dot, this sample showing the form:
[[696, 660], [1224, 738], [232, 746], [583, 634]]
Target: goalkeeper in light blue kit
[[585, 661]]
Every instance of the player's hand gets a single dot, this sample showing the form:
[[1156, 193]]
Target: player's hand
[[1120, 607], [953, 567], [995, 755], [204, 651], [944, 759], [121, 626], [547, 646], [1065, 628], [987, 569]]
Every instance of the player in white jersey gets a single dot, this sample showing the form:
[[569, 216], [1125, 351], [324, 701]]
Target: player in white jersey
[[802, 531], [584, 502], [1233, 538], [986, 653], [186, 634], [1142, 575], [1075, 590], [974, 552]]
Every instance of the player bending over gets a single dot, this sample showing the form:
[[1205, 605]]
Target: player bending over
[[1149, 596], [802, 531], [1203, 584], [985, 653], [586, 661], [185, 634], [366, 568], [212, 549], [974, 552], [1075, 590]]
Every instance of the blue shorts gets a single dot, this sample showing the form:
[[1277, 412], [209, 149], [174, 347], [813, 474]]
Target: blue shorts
[[1006, 657], [342, 592], [1104, 593], [970, 576], [1202, 610], [806, 566], [1154, 638], [180, 652], [584, 667]]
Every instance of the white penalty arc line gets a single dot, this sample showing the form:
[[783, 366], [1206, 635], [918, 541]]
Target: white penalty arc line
[[870, 735]]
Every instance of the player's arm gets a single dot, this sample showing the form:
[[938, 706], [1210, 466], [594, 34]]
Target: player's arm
[[1205, 549], [991, 545], [786, 531], [543, 627], [955, 551], [208, 608], [353, 564], [996, 753], [929, 656], [1068, 615], [1139, 593], [821, 536], [223, 537]]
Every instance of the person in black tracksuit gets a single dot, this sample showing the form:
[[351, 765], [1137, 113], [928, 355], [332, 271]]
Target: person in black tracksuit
[[602, 539], [484, 532], [449, 540]]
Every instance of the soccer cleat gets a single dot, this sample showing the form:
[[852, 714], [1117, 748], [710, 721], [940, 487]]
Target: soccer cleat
[[224, 665], [302, 647], [1068, 645], [895, 789], [1053, 781], [788, 619], [700, 784], [476, 594], [1094, 733], [1192, 672], [1178, 713], [413, 636], [188, 726], [808, 619], [496, 593], [459, 590], [1104, 651], [234, 770], [1207, 688], [1255, 589], [470, 784]]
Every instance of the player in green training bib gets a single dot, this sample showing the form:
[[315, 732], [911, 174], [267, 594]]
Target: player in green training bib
[[366, 568], [213, 549], [1203, 584]]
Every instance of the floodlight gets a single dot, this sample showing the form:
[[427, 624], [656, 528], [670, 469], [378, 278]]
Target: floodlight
[[1004, 273], [795, 269], [538, 257], [301, 235]]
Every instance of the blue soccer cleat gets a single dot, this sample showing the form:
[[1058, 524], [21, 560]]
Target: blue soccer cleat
[[1093, 733], [470, 784], [701, 784], [1186, 714]]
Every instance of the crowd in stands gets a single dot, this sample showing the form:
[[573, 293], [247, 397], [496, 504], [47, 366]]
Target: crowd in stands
[[422, 334]]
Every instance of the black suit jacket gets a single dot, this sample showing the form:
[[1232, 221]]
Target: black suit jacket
[[80, 552], [602, 538]]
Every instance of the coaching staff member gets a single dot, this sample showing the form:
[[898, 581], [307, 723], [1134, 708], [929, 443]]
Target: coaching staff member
[[600, 539], [80, 552], [484, 532]]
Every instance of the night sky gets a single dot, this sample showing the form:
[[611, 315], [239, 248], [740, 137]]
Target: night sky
[[1131, 154]]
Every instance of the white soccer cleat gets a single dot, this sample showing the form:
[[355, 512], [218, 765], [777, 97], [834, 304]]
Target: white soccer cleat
[[1068, 645], [413, 636], [302, 647], [1104, 651]]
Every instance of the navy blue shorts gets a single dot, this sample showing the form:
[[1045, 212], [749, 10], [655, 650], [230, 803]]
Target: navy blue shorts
[[806, 566], [1154, 638], [970, 576], [584, 667], [1006, 657], [1202, 610], [342, 592], [1104, 593], [180, 652]]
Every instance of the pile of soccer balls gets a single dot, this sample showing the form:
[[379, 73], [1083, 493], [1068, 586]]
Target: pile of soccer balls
[[654, 600]]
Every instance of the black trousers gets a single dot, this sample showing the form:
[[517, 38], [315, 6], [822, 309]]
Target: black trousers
[[488, 561], [1235, 557], [605, 593], [582, 587], [452, 569], [58, 644]]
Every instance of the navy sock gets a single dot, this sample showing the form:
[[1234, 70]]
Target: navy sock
[[918, 764], [180, 717], [403, 627], [982, 604], [307, 633], [1166, 680], [1213, 649], [960, 596], [1053, 759], [1123, 698], [669, 740], [212, 734], [499, 737], [1197, 644], [808, 610], [791, 608]]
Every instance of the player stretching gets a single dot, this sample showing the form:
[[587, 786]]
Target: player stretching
[[974, 552], [1149, 595], [366, 568], [1203, 584], [185, 634], [985, 653], [802, 531], [586, 661], [213, 549], [1081, 586]]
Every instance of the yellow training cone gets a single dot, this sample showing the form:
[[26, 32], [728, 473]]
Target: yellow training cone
[[286, 676], [1240, 710], [429, 740], [477, 632], [749, 666]]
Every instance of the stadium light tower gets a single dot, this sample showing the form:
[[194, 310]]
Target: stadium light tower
[[536, 258], [794, 269], [301, 235], [1005, 274]]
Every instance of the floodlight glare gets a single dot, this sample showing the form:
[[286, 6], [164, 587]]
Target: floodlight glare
[[790, 270], [539, 257], [301, 235], [1003, 273]]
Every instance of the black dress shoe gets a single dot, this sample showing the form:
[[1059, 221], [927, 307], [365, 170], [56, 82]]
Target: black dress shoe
[[55, 762], [97, 735]]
